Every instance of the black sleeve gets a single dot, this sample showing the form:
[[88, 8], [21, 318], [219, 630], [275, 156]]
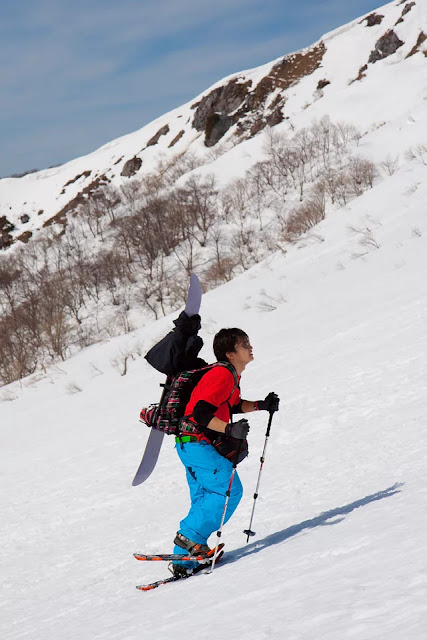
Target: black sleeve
[[237, 408], [203, 412]]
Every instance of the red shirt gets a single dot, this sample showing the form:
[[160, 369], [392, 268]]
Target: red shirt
[[215, 387]]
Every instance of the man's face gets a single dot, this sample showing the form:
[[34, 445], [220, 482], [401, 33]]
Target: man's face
[[243, 351]]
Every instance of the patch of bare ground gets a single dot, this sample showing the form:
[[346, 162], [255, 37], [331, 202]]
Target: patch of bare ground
[[322, 84], [288, 72], [421, 38], [406, 9], [24, 237], [61, 216], [177, 138], [161, 132], [361, 75], [85, 174]]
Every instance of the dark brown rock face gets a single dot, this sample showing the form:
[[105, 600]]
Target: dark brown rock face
[[222, 100], [388, 44], [177, 138], [373, 19], [236, 102], [161, 132], [131, 167], [5, 236], [420, 40]]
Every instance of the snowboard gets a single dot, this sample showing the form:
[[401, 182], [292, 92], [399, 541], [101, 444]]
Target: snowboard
[[155, 439]]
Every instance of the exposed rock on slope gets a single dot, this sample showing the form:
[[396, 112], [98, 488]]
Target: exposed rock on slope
[[388, 44]]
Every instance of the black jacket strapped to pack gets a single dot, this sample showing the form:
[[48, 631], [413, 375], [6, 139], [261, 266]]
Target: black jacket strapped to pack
[[178, 353]]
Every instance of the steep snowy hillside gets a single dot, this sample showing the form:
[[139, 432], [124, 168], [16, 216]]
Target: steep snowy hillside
[[370, 72], [338, 329]]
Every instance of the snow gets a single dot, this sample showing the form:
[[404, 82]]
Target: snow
[[338, 328]]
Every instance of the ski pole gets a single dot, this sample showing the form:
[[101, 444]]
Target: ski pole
[[249, 531], [227, 497]]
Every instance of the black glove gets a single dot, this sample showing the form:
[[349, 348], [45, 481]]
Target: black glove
[[270, 403], [238, 430]]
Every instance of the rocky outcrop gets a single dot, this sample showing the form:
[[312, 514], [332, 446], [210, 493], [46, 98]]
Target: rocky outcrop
[[373, 19], [6, 228], [217, 124], [388, 44], [237, 102], [131, 167], [222, 100]]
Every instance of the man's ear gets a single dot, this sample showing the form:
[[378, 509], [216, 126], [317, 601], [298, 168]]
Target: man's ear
[[230, 355]]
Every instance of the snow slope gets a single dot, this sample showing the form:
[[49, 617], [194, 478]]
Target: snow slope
[[338, 327]]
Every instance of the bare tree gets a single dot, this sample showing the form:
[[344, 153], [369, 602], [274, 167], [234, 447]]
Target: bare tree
[[418, 153], [390, 165]]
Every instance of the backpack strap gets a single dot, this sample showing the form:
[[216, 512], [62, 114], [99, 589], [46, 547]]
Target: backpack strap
[[230, 367]]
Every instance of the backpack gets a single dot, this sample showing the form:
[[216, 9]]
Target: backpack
[[167, 414]]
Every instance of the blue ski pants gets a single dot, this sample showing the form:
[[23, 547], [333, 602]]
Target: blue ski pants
[[208, 477]]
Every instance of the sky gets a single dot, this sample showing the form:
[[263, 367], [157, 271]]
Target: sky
[[74, 76]]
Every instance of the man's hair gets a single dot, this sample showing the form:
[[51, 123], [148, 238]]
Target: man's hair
[[225, 341]]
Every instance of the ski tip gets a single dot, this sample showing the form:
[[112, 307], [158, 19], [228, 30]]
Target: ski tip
[[146, 587]]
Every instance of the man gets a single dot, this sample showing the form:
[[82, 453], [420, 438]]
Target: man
[[208, 422]]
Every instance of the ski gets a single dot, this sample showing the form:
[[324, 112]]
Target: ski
[[165, 557], [159, 583], [155, 439], [203, 566]]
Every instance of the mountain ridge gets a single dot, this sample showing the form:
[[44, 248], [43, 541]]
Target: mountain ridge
[[232, 110]]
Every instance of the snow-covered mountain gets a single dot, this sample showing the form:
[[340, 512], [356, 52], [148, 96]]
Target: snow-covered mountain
[[371, 72], [339, 331], [338, 325]]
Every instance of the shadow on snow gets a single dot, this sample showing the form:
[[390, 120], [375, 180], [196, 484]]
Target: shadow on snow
[[327, 518]]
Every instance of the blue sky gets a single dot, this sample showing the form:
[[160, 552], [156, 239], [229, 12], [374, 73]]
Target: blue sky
[[75, 75]]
